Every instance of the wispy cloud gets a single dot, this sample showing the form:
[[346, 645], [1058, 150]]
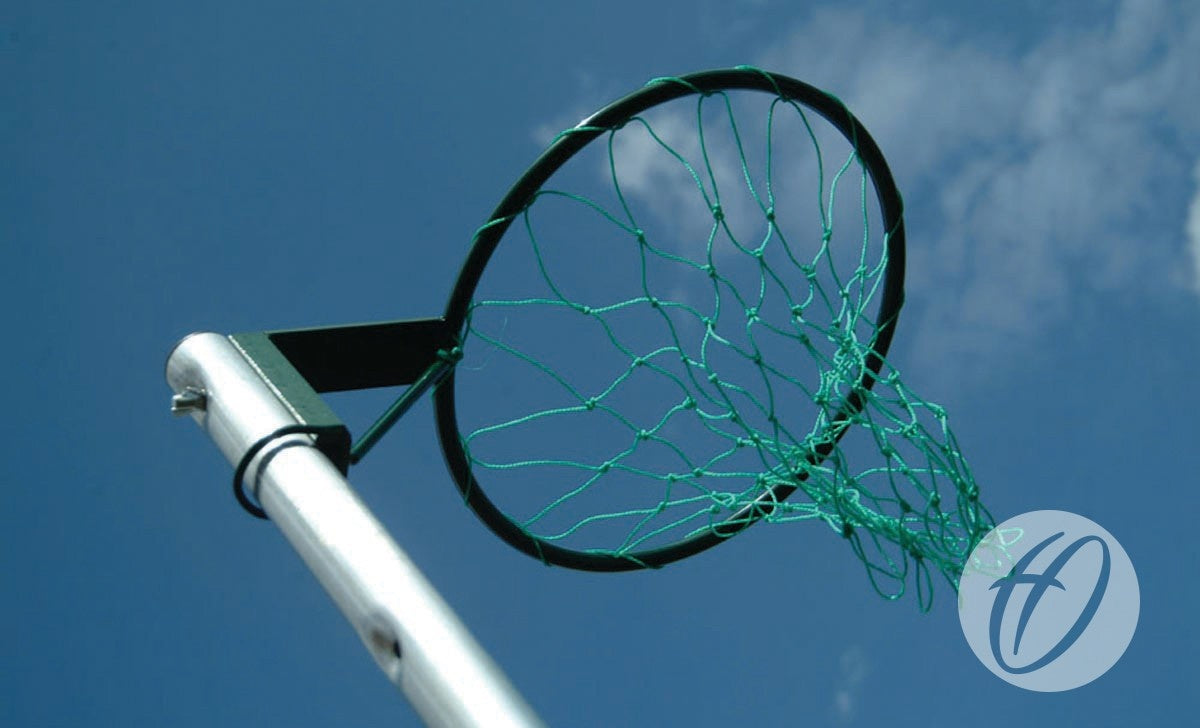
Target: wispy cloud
[[853, 669], [1193, 230], [1035, 177], [1032, 177]]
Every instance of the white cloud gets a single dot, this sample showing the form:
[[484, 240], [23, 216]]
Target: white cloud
[[668, 190], [853, 669], [1034, 178], [1193, 230]]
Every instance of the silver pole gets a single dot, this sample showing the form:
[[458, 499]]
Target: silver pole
[[414, 636]]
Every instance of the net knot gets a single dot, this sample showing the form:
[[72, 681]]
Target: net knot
[[724, 500], [640, 235], [589, 404], [770, 214], [717, 213]]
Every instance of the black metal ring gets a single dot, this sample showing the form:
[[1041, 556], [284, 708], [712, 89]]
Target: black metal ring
[[239, 474], [520, 196]]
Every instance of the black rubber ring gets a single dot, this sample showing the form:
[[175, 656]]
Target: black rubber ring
[[239, 474]]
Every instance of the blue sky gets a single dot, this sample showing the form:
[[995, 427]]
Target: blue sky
[[180, 168]]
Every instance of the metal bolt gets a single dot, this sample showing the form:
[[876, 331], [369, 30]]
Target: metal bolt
[[188, 401]]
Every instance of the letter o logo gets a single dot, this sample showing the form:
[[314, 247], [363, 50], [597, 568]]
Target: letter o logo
[[1048, 601]]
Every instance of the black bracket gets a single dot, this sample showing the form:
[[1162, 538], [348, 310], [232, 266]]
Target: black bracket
[[299, 364]]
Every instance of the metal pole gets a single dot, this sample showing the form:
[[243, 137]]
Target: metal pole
[[414, 636]]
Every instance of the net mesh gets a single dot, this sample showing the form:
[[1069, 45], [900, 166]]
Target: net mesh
[[669, 331]]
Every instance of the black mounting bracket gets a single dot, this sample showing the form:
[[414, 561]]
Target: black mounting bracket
[[299, 364]]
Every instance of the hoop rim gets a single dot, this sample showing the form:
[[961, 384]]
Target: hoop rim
[[521, 195]]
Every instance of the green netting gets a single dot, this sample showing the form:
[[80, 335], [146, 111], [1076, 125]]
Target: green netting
[[669, 331]]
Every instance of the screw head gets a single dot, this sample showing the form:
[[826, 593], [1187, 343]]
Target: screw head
[[188, 401]]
